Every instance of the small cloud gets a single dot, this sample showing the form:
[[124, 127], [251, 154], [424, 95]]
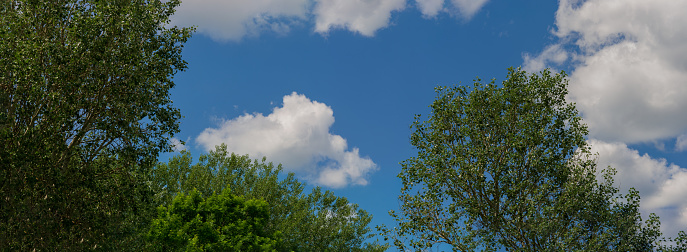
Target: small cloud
[[681, 143], [178, 146], [551, 54], [629, 66], [364, 17], [662, 186], [659, 145], [468, 8], [430, 8], [232, 20], [297, 136]]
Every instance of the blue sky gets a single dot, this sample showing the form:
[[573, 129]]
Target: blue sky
[[329, 88]]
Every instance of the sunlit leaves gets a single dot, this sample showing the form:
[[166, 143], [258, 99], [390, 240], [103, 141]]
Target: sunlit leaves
[[84, 89], [318, 221], [507, 166], [221, 222]]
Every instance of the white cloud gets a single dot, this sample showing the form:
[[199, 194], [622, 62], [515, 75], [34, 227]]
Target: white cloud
[[177, 145], [361, 16], [465, 8], [468, 8], [681, 143], [662, 186], [596, 23], [628, 93], [629, 80], [430, 8], [630, 61], [297, 136], [551, 54], [233, 19], [225, 20]]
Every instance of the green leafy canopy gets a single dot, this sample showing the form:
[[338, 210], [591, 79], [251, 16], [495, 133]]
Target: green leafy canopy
[[84, 113], [315, 221], [222, 222], [507, 166]]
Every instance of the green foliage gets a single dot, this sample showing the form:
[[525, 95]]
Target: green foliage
[[222, 222], [318, 221], [508, 167], [84, 112]]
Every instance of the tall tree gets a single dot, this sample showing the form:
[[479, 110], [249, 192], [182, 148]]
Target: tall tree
[[507, 166], [85, 110], [318, 221]]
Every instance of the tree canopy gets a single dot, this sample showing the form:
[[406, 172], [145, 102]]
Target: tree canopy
[[84, 112], [318, 221], [222, 222], [507, 166]]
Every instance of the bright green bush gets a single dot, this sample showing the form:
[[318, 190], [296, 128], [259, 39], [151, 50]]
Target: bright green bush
[[222, 222]]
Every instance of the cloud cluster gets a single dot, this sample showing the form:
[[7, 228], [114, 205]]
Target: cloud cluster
[[430, 8], [177, 146], [297, 136], [551, 54], [681, 143], [630, 60], [466, 8], [362, 16], [225, 20], [233, 19], [629, 81], [662, 186]]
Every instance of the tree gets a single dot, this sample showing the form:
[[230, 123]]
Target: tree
[[319, 221], [508, 167], [222, 222], [85, 110]]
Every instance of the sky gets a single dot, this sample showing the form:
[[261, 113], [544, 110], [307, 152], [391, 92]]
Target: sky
[[329, 88]]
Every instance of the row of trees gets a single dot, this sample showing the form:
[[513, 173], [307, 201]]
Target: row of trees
[[315, 221], [85, 112]]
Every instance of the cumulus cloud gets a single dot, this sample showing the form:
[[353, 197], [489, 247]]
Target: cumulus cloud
[[361, 16], [662, 186], [681, 143], [630, 66], [430, 8], [629, 80], [464, 8], [628, 93], [177, 145], [233, 19], [468, 8], [297, 136], [552, 54], [225, 20]]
